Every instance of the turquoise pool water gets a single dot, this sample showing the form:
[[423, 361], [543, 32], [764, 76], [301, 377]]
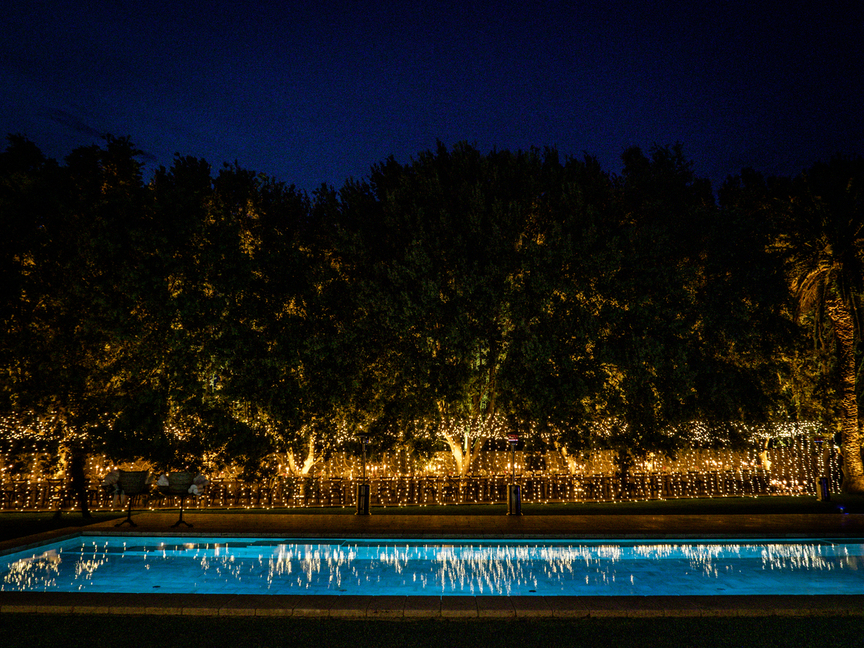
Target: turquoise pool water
[[430, 567]]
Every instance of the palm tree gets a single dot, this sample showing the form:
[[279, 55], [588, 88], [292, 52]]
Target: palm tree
[[822, 239]]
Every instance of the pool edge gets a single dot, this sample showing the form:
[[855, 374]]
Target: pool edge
[[417, 607], [29, 542]]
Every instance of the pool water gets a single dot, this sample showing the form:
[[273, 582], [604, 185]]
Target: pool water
[[433, 567]]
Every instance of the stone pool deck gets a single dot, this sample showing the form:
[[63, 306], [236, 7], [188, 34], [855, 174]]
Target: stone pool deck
[[386, 525], [452, 526]]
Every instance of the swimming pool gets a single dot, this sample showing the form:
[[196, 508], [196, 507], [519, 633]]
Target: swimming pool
[[429, 567]]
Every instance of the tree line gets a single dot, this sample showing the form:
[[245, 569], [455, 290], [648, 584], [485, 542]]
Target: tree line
[[227, 317]]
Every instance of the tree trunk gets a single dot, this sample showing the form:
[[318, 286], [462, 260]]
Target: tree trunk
[[464, 455], [853, 470], [574, 464], [623, 462], [455, 445], [78, 480], [308, 462]]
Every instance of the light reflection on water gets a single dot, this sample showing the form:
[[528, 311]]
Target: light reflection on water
[[244, 565]]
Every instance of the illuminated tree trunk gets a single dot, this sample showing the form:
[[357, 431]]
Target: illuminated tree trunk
[[309, 461], [463, 454], [575, 464], [764, 461], [853, 471]]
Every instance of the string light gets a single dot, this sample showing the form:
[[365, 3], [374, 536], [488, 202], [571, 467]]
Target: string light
[[399, 478]]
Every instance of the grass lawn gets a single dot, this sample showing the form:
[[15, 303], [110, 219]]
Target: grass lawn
[[70, 631], [16, 525]]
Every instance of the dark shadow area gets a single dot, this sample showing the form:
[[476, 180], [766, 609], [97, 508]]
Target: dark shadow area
[[18, 525], [71, 631]]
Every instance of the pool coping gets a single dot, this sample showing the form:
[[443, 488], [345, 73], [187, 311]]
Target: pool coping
[[417, 607], [424, 607]]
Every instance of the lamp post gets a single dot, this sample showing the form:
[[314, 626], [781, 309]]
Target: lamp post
[[363, 487], [514, 495]]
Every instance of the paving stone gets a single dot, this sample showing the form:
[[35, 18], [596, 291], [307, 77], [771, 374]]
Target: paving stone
[[243, 605], [458, 606], [92, 603], [753, 606], [57, 603], [283, 605], [855, 604], [804, 606], [168, 604], [386, 606], [36, 540], [495, 606], [531, 606], [19, 602], [24, 602], [608, 526], [313, 605], [645, 606], [817, 605], [205, 604], [780, 605], [568, 606], [422, 606], [349, 606], [125, 603], [716, 606], [605, 606], [274, 604], [679, 606]]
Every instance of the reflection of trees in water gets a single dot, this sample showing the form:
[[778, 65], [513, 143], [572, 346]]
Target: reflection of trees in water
[[38, 572], [501, 569], [473, 569]]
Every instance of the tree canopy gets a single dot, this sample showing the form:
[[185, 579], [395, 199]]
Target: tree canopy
[[444, 301]]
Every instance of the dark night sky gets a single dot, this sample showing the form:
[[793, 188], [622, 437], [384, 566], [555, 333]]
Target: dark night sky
[[319, 91]]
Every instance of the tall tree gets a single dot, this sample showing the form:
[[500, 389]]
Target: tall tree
[[820, 221], [71, 343], [169, 419], [683, 321], [644, 274], [279, 362], [556, 382], [435, 245]]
